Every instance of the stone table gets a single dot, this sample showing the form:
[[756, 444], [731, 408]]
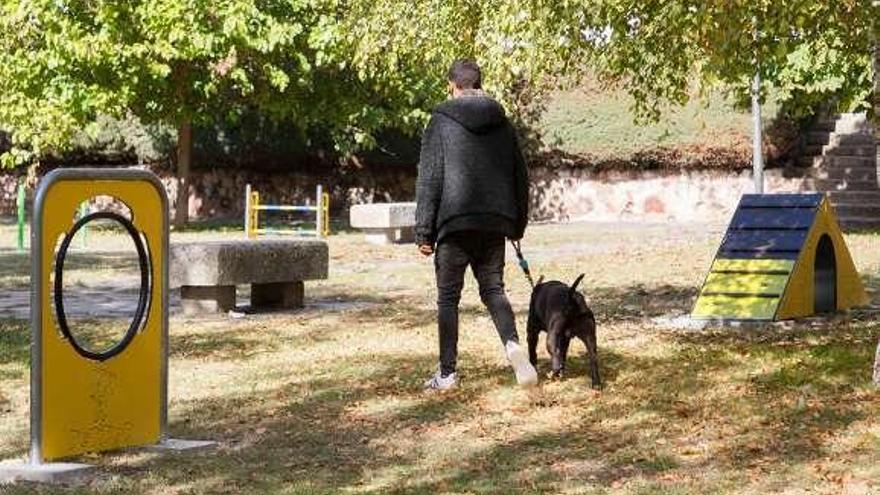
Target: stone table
[[385, 223], [207, 272]]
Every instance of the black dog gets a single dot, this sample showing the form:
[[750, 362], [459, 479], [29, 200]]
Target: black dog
[[562, 311]]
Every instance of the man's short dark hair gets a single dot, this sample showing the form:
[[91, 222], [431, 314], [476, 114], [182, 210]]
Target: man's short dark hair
[[466, 74]]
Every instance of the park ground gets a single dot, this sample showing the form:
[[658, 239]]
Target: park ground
[[328, 399]]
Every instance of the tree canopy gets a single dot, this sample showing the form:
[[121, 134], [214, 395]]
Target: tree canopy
[[352, 68], [63, 63], [809, 50]]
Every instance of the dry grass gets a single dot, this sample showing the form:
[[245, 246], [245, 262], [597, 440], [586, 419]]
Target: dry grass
[[328, 399]]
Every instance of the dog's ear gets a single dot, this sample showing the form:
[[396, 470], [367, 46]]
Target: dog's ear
[[575, 284]]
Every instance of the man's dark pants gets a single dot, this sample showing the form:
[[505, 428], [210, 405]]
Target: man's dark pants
[[484, 253]]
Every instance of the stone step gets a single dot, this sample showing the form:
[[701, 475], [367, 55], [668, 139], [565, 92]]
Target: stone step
[[844, 123], [848, 117], [852, 150], [850, 161], [852, 116], [848, 185], [860, 174], [853, 128], [857, 210], [851, 224], [837, 161], [841, 150], [838, 140], [841, 197], [852, 123], [835, 139]]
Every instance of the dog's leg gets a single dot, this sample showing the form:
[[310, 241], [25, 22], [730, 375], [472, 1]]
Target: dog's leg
[[589, 338], [532, 338], [564, 341], [533, 328], [553, 348]]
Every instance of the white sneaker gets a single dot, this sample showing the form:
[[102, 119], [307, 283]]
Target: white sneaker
[[525, 372], [440, 382]]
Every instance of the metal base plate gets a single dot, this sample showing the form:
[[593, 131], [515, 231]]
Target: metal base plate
[[50, 472], [70, 473]]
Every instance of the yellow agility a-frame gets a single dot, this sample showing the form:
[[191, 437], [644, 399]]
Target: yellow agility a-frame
[[783, 256]]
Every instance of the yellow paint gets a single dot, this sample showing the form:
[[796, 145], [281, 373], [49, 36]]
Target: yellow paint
[[798, 299], [325, 205], [90, 406], [752, 266], [735, 308], [730, 282], [254, 214], [745, 283]]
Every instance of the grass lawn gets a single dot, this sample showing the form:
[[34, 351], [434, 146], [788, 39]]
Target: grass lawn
[[599, 122], [329, 399]]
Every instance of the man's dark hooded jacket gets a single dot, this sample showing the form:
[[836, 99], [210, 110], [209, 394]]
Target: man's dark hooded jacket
[[471, 172]]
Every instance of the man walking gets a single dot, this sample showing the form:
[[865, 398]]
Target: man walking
[[471, 194]]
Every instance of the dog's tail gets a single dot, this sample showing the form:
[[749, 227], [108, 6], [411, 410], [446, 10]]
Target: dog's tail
[[577, 281], [583, 309]]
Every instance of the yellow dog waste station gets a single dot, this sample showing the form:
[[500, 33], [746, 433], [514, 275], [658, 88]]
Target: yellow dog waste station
[[783, 256], [81, 400]]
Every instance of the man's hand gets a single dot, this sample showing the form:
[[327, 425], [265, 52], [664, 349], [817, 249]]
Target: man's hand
[[426, 249]]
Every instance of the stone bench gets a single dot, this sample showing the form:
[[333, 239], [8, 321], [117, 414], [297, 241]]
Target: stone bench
[[385, 223], [207, 272]]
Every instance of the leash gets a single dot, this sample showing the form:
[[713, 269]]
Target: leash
[[522, 262]]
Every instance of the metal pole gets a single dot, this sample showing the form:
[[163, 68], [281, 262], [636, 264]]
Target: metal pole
[[20, 204], [326, 209], [319, 212], [757, 148], [247, 211], [255, 213], [757, 152]]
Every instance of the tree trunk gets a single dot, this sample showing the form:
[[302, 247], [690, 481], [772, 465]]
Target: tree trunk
[[184, 161]]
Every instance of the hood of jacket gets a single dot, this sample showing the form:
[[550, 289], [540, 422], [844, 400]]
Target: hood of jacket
[[477, 113]]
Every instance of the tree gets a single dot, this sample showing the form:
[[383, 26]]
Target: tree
[[810, 50], [352, 68], [63, 63], [349, 68], [524, 48]]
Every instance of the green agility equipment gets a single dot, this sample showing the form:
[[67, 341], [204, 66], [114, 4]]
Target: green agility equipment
[[20, 201]]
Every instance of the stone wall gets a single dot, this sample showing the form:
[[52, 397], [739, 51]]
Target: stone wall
[[8, 192], [558, 194], [219, 194], [577, 194]]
